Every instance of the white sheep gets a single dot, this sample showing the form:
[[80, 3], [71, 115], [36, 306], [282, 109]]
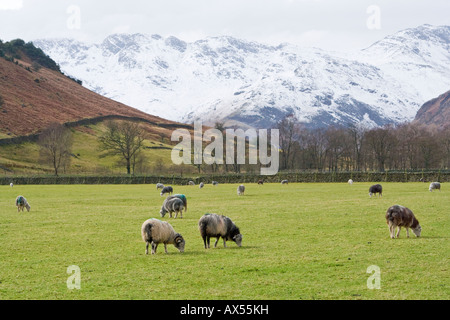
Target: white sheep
[[155, 231], [240, 190], [11, 185], [191, 183], [434, 186], [350, 181], [201, 185], [22, 203]]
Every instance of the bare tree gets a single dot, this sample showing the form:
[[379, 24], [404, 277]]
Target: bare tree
[[124, 139], [381, 142], [56, 146], [288, 128]]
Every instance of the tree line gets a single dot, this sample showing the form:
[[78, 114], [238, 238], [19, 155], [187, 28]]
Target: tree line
[[408, 146]]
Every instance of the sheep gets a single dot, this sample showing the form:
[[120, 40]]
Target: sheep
[[191, 183], [260, 181], [376, 188], [159, 186], [215, 183], [284, 182], [11, 184], [155, 231], [22, 203], [165, 190], [201, 185], [435, 185], [399, 216], [350, 181], [240, 190], [213, 225], [174, 204]]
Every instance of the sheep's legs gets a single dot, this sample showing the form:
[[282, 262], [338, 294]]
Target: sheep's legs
[[224, 243], [391, 230], [217, 240], [407, 232], [154, 247], [398, 231], [146, 247], [165, 247]]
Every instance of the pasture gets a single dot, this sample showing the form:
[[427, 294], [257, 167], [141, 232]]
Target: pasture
[[300, 241]]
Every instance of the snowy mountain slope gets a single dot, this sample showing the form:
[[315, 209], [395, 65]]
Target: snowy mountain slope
[[252, 84]]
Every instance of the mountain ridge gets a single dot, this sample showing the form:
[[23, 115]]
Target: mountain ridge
[[252, 84]]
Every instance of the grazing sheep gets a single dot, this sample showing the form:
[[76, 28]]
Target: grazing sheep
[[376, 188], [260, 181], [350, 181], [11, 185], [159, 186], [22, 203], [155, 231], [215, 183], [201, 185], [240, 190], [182, 197], [213, 225], [191, 183], [167, 189], [435, 186], [399, 216], [284, 182], [174, 204]]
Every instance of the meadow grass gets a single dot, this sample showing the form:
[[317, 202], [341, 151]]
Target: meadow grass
[[301, 241]]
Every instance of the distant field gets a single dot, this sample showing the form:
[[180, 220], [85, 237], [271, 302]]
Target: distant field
[[301, 241]]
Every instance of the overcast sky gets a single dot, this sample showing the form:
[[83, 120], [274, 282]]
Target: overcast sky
[[330, 24]]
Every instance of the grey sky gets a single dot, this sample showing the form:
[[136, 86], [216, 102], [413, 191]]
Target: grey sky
[[328, 24]]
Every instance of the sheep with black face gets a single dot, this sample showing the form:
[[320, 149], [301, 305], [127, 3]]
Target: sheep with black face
[[154, 232], [376, 188], [212, 225], [165, 190]]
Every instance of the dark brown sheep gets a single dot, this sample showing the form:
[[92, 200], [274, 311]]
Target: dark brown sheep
[[399, 216]]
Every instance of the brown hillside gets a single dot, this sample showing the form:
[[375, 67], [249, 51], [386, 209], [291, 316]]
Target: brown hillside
[[34, 99], [435, 112]]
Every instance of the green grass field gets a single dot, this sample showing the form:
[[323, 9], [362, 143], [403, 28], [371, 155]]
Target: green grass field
[[301, 241]]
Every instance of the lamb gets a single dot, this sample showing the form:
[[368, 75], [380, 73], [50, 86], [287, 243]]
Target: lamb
[[213, 225], [215, 183], [174, 204], [350, 181], [155, 231], [284, 182], [191, 183], [201, 185], [159, 186], [376, 188], [22, 203], [240, 190], [165, 190], [435, 185], [399, 216]]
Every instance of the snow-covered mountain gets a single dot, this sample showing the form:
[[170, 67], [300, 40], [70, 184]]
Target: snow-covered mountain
[[252, 84]]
